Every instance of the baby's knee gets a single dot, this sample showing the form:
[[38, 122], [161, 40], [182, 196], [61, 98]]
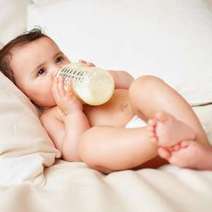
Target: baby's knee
[[145, 81], [143, 84], [143, 88]]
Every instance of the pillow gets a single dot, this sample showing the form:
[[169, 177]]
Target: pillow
[[168, 38], [13, 19], [43, 1], [25, 147]]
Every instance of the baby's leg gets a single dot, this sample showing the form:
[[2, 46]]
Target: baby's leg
[[189, 154], [108, 148], [150, 95]]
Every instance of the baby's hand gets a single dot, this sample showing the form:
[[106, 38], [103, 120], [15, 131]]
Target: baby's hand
[[66, 100], [86, 63]]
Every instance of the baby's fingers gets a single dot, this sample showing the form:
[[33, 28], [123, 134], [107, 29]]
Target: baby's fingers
[[60, 87], [55, 92], [87, 63], [69, 90]]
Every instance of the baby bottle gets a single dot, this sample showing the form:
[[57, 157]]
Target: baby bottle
[[94, 86]]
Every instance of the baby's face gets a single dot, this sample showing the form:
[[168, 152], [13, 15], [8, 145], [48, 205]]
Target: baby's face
[[34, 66]]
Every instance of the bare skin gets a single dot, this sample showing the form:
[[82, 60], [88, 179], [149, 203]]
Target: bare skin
[[97, 135], [168, 131], [177, 143]]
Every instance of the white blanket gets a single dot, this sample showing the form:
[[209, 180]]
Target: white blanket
[[74, 187]]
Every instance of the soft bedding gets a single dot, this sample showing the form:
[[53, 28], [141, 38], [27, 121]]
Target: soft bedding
[[74, 187], [13, 18], [33, 178], [24, 145]]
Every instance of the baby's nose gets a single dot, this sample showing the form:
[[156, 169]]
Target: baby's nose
[[54, 72]]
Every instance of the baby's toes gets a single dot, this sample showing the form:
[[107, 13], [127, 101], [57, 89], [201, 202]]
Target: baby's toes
[[151, 131], [152, 136], [164, 153], [176, 147], [152, 125], [183, 158], [178, 161], [152, 122], [153, 139], [185, 144], [151, 128]]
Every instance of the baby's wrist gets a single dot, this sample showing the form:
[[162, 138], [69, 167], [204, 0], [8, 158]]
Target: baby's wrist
[[70, 111], [73, 111], [73, 116]]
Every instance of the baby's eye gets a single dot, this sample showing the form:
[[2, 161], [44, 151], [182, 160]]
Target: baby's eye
[[59, 59], [41, 71]]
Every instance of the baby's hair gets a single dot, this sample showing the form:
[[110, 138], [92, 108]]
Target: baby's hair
[[5, 52]]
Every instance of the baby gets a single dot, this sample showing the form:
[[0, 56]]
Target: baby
[[99, 135]]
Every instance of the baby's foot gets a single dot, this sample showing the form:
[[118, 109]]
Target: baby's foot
[[151, 128], [169, 131], [188, 154]]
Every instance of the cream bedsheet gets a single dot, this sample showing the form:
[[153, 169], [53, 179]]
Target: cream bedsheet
[[74, 187], [26, 186], [69, 186]]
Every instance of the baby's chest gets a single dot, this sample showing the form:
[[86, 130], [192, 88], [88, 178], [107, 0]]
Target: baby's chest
[[117, 112]]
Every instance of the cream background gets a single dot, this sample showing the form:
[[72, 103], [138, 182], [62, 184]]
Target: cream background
[[167, 38]]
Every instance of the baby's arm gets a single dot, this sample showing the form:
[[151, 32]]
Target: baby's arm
[[122, 79], [75, 125], [66, 135], [74, 121]]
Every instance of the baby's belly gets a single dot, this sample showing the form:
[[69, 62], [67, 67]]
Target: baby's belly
[[117, 112]]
